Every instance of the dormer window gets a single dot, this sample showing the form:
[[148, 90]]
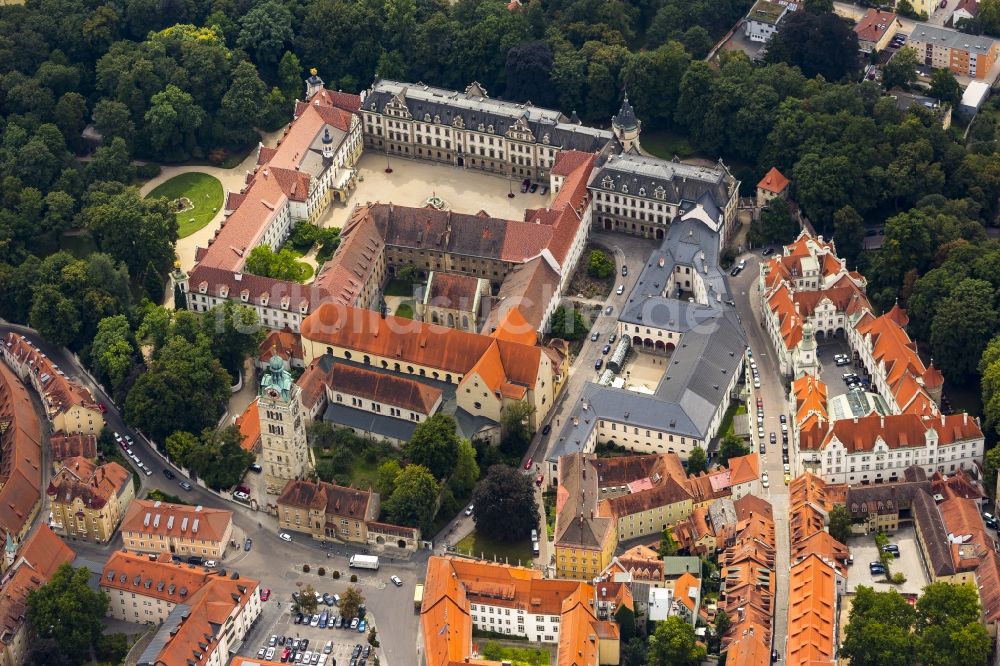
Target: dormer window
[[224, 291], [659, 192], [304, 306], [427, 117], [624, 188], [490, 129], [480, 127], [642, 191], [607, 183], [263, 299], [203, 288], [372, 107], [437, 118], [458, 122], [245, 295], [545, 138], [284, 302]]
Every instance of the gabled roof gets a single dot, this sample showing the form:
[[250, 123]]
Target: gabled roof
[[350, 503], [812, 613], [249, 424], [39, 557], [744, 469], [80, 479], [773, 181], [873, 25], [176, 520]]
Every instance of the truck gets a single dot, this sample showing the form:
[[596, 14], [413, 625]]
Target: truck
[[418, 595], [364, 561]]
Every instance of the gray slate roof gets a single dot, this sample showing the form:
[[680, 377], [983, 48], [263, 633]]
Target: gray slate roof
[[951, 39], [386, 426], [680, 181], [693, 388], [475, 109]]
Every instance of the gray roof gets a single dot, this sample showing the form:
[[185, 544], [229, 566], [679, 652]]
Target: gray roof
[[677, 565], [626, 116], [385, 426], [693, 388], [476, 108], [470, 425], [177, 615], [642, 175], [933, 533], [951, 39]]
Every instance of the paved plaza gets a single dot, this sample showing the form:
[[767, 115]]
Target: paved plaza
[[411, 183]]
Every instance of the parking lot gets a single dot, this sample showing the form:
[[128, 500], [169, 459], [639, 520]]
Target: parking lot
[[344, 643], [909, 563]]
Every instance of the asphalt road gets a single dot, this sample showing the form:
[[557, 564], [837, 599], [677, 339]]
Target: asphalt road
[[276, 563], [773, 390]]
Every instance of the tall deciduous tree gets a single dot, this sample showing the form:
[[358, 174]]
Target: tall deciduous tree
[[848, 234], [506, 508], [901, 70], [134, 230], [171, 122], [112, 351], [434, 444], [466, 472], [674, 644], [413, 498], [516, 428], [945, 87], [234, 333], [948, 626], [818, 44], [731, 446], [265, 31], [963, 324], [529, 73], [244, 104], [879, 630], [840, 523], [697, 461], [68, 609]]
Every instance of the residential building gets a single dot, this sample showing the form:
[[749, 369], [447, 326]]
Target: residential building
[[454, 300], [38, 558], [178, 529], [202, 615], [326, 511], [69, 406], [471, 130], [965, 10], [818, 575], [374, 403], [601, 501], [87, 501], [63, 446], [876, 29], [678, 315], [643, 196], [284, 450], [963, 54], [942, 111], [460, 594], [773, 185], [764, 19], [20, 458], [746, 567], [885, 507]]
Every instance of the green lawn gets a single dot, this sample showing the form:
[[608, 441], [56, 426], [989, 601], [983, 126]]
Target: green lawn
[[307, 270], [487, 548], [405, 310], [516, 656], [204, 191], [396, 287], [665, 145]]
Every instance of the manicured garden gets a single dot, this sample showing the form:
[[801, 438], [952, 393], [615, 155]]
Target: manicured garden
[[197, 197], [404, 310]]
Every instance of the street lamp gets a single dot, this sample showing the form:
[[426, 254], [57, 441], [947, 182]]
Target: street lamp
[[388, 169], [510, 187]]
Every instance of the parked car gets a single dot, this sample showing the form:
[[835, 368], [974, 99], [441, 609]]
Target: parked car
[[265, 594], [891, 548], [354, 623], [605, 349], [185, 485], [620, 290], [764, 481], [783, 419], [167, 473], [285, 536], [533, 188], [240, 495], [212, 563], [468, 511], [598, 363], [396, 581], [595, 336], [624, 270], [525, 184], [255, 468], [248, 544], [763, 449], [104, 408], [608, 310], [528, 463], [362, 625], [545, 189], [547, 428], [612, 338], [774, 438], [767, 251]]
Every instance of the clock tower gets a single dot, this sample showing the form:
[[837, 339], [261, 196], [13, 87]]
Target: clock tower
[[282, 428]]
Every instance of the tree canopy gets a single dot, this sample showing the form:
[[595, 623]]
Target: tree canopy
[[674, 644], [67, 609], [506, 508], [434, 445], [413, 498]]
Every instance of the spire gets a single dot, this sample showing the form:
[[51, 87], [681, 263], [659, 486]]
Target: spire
[[626, 116]]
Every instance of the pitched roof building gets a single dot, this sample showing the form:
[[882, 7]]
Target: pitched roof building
[[202, 614], [161, 527], [20, 457], [87, 501], [461, 594], [38, 559]]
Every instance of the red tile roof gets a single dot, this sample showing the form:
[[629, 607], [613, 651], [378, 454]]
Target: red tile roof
[[42, 553], [327, 497], [71, 446], [249, 424], [773, 181], [873, 25], [395, 390], [176, 520], [94, 486], [20, 454]]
